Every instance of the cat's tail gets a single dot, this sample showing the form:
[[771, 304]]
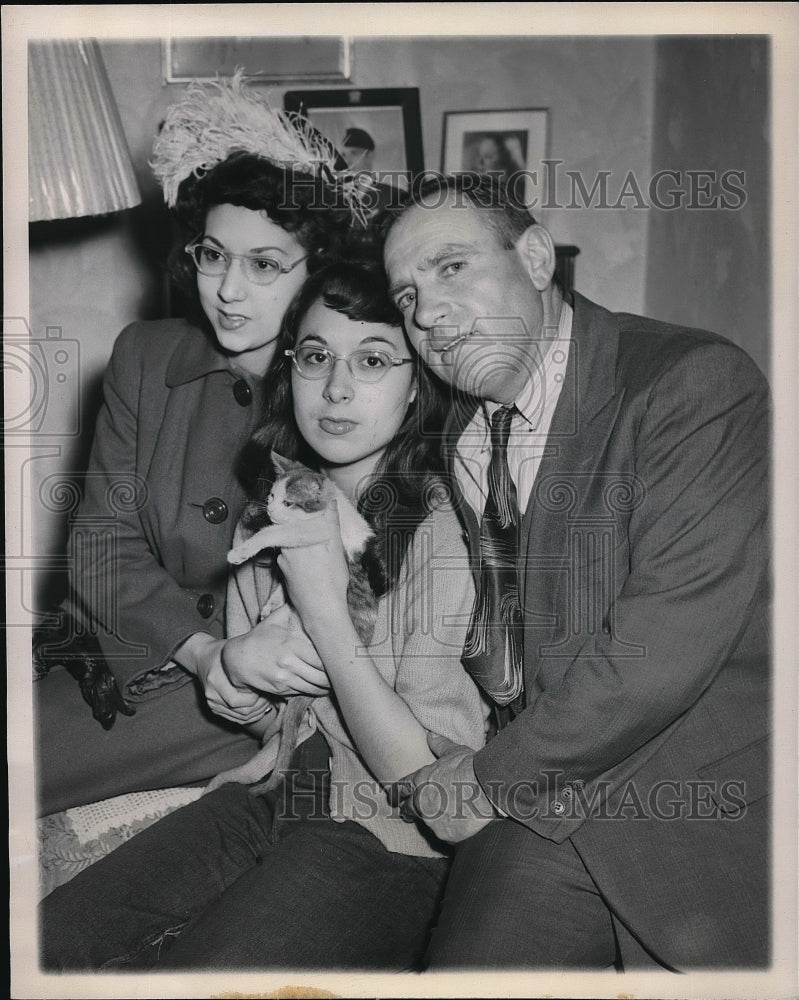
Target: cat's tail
[[258, 765], [293, 714]]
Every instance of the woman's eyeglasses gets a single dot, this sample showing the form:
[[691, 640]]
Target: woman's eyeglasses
[[366, 365], [258, 268]]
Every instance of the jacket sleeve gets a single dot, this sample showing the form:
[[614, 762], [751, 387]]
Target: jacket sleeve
[[698, 563], [433, 602], [142, 614]]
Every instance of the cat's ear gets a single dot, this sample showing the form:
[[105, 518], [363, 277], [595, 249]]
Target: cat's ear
[[282, 465]]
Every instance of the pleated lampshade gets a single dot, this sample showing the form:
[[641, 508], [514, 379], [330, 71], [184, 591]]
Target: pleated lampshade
[[78, 159]]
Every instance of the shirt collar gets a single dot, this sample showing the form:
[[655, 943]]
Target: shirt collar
[[530, 400]]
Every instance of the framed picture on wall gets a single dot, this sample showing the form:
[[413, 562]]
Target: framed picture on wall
[[510, 142], [375, 129], [271, 60]]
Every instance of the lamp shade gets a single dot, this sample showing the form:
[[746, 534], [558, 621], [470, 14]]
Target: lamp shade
[[78, 158]]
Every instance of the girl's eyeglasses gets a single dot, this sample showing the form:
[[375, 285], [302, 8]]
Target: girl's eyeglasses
[[365, 365]]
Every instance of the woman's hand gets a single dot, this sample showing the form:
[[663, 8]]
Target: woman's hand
[[317, 577], [201, 655], [275, 660]]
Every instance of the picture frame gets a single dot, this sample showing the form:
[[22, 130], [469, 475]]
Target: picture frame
[[312, 59], [388, 118], [513, 141]]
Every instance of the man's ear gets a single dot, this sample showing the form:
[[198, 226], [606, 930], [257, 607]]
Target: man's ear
[[537, 251]]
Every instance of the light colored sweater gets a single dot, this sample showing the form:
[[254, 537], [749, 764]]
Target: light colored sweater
[[417, 644]]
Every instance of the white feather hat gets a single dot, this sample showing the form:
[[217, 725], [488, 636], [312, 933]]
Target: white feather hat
[[210, 122]]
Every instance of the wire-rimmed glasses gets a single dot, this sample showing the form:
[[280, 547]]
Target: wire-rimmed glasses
[[259, 268], [365, 365]]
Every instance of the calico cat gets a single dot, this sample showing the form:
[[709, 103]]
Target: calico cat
[[297, 494]]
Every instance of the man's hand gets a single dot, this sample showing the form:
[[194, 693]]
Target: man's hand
[[445, 795], [275, 660]]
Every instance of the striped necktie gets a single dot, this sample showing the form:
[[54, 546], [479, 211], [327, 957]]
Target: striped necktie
[[494, 642]]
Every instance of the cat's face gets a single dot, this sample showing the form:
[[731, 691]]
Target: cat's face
[[296, 489], [349, 423]]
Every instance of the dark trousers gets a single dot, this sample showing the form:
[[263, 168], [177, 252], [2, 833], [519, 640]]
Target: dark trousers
[[235, 881], [173, 739], [516, 900]]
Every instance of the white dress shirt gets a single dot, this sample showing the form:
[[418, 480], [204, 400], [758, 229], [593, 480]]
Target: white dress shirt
[[529, 429]]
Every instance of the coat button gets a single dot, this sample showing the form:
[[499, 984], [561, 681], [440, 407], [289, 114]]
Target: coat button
[[242, 392], [205, 605], [465, 536], [215, 510], [558, 808]]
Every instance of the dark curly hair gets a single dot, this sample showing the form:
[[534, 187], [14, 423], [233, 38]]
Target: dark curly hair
[[409, 480], [299, 203]]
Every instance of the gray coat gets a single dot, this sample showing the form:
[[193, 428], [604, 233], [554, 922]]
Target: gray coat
[[148, 546]]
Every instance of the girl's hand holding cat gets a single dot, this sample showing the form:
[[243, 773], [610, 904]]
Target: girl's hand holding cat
[[275, 660], [317, 576], [201, 655]]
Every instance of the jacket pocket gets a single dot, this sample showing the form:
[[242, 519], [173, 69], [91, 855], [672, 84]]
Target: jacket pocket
[[740, 778]]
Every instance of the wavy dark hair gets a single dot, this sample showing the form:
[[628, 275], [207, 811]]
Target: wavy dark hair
[[409, 480], [297, 202]]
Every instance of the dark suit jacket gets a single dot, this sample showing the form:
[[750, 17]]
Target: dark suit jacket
[[148, 562], [644, 586]]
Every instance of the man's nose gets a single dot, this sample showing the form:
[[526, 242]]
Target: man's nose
[[431, 310], [339, 385], [233, 286]]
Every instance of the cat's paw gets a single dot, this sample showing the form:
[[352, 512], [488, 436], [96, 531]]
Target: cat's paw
[[239, 555], [250, 547]]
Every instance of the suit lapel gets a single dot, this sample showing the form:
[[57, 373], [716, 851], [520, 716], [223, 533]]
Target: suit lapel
[[564, 486], [565, 483]]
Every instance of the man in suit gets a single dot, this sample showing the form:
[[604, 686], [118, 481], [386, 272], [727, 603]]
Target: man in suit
[[620, 812]]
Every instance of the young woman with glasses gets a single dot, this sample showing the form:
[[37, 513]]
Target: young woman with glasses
[[322, 871], [255, 214]]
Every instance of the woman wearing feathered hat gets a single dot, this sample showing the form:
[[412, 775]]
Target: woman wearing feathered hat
[[258, 206]]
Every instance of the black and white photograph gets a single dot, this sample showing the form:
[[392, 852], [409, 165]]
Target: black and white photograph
[[509, 144], [400, 481], [376, 131]]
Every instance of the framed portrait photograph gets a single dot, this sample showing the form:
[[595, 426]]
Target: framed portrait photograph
[[325, 59], [508, 142], [376, 129]]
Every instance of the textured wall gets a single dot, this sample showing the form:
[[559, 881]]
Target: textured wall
[[709, 267], [599, 93]]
